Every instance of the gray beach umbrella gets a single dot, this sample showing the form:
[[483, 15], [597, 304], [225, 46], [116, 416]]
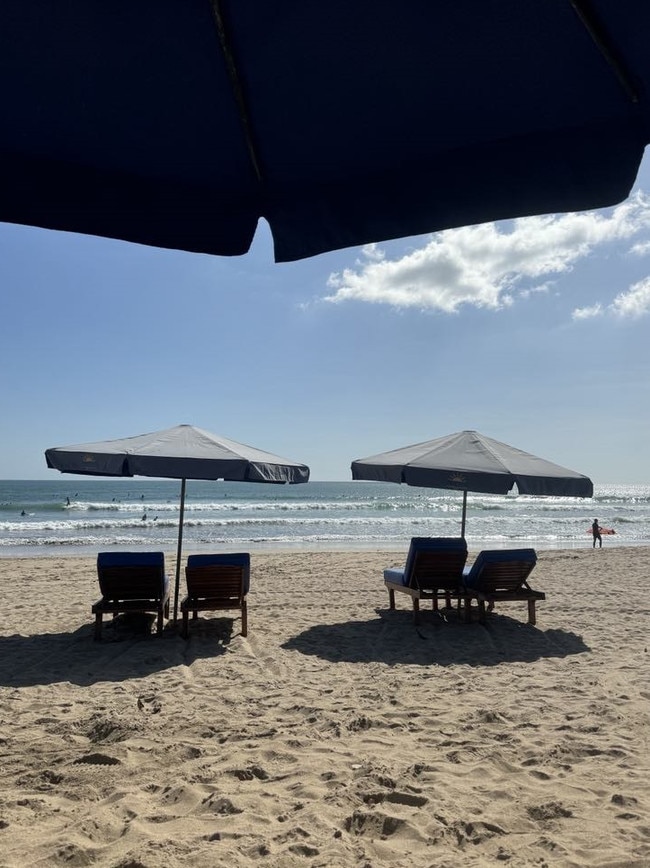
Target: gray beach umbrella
[[183, 452], [469, 461]]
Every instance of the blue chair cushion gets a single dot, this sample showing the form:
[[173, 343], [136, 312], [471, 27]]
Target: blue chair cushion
[[131, 559], [396, 576]]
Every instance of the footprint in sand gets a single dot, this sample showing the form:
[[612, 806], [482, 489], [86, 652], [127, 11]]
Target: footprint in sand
[[250, 773], [108, 731], [304, 850], [624, 801], [149, 704], [98, 759], [542, 776], [548, 811], [359, 723], [395, 798], [50, 777], [220, 805], [474, 833], [361, 823]]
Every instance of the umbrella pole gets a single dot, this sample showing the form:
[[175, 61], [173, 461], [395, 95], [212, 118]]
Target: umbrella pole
[[179, 549], [462, 524]]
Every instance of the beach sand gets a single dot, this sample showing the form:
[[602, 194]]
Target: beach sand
[[337, 733]]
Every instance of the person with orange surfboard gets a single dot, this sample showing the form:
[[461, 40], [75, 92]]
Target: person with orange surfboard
[[602, 531], [595, 530]]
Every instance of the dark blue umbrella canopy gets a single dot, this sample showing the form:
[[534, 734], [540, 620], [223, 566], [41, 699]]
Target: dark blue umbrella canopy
[[179, 123]]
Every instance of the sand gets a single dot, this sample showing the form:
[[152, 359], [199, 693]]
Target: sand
[[337, 733]]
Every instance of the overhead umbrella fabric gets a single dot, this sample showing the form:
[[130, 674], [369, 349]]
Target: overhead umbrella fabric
[[181, 124], [470, 461], [183, 452]]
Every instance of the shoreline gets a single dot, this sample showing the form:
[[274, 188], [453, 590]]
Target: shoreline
[[64, 551]]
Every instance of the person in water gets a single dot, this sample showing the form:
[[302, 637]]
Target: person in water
[[595, 530]]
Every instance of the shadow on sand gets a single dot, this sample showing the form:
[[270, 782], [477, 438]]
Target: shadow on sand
[[128, 649], [443, 640]]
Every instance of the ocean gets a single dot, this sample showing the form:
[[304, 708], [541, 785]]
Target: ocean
[[79, 516]]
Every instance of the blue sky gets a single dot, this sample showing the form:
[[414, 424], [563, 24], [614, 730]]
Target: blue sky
[[534, 332]]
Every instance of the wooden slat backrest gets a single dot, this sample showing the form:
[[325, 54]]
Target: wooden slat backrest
[[504, 575], [131, 582], [215, 581], [437, 569]]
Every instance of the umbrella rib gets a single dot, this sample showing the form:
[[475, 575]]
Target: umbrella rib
[[496, 457], [602, 41], [236, 82]]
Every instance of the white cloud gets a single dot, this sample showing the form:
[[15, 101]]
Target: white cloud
[[587, 312], [641, 249], [373, 252], [482, 265], [632, 304], [541, 288]]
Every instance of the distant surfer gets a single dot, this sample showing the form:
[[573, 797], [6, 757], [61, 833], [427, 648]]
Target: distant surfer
[[595, 531], [144, 517], [67, 501]]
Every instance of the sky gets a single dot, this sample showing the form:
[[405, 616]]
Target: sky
[[534, 332]]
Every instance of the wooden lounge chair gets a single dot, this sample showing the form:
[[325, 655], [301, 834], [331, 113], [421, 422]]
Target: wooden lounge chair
[[216, 582], [500, 576], [131, 582], [433, 571]]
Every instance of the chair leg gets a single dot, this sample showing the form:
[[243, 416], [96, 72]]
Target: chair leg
[[391, 598], [416, 610], [531, 612], [481, 611], [185, 631], [244, 619], [159, 626], [98, 626]]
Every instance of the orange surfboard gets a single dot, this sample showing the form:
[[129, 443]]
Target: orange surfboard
[[605, 531]]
